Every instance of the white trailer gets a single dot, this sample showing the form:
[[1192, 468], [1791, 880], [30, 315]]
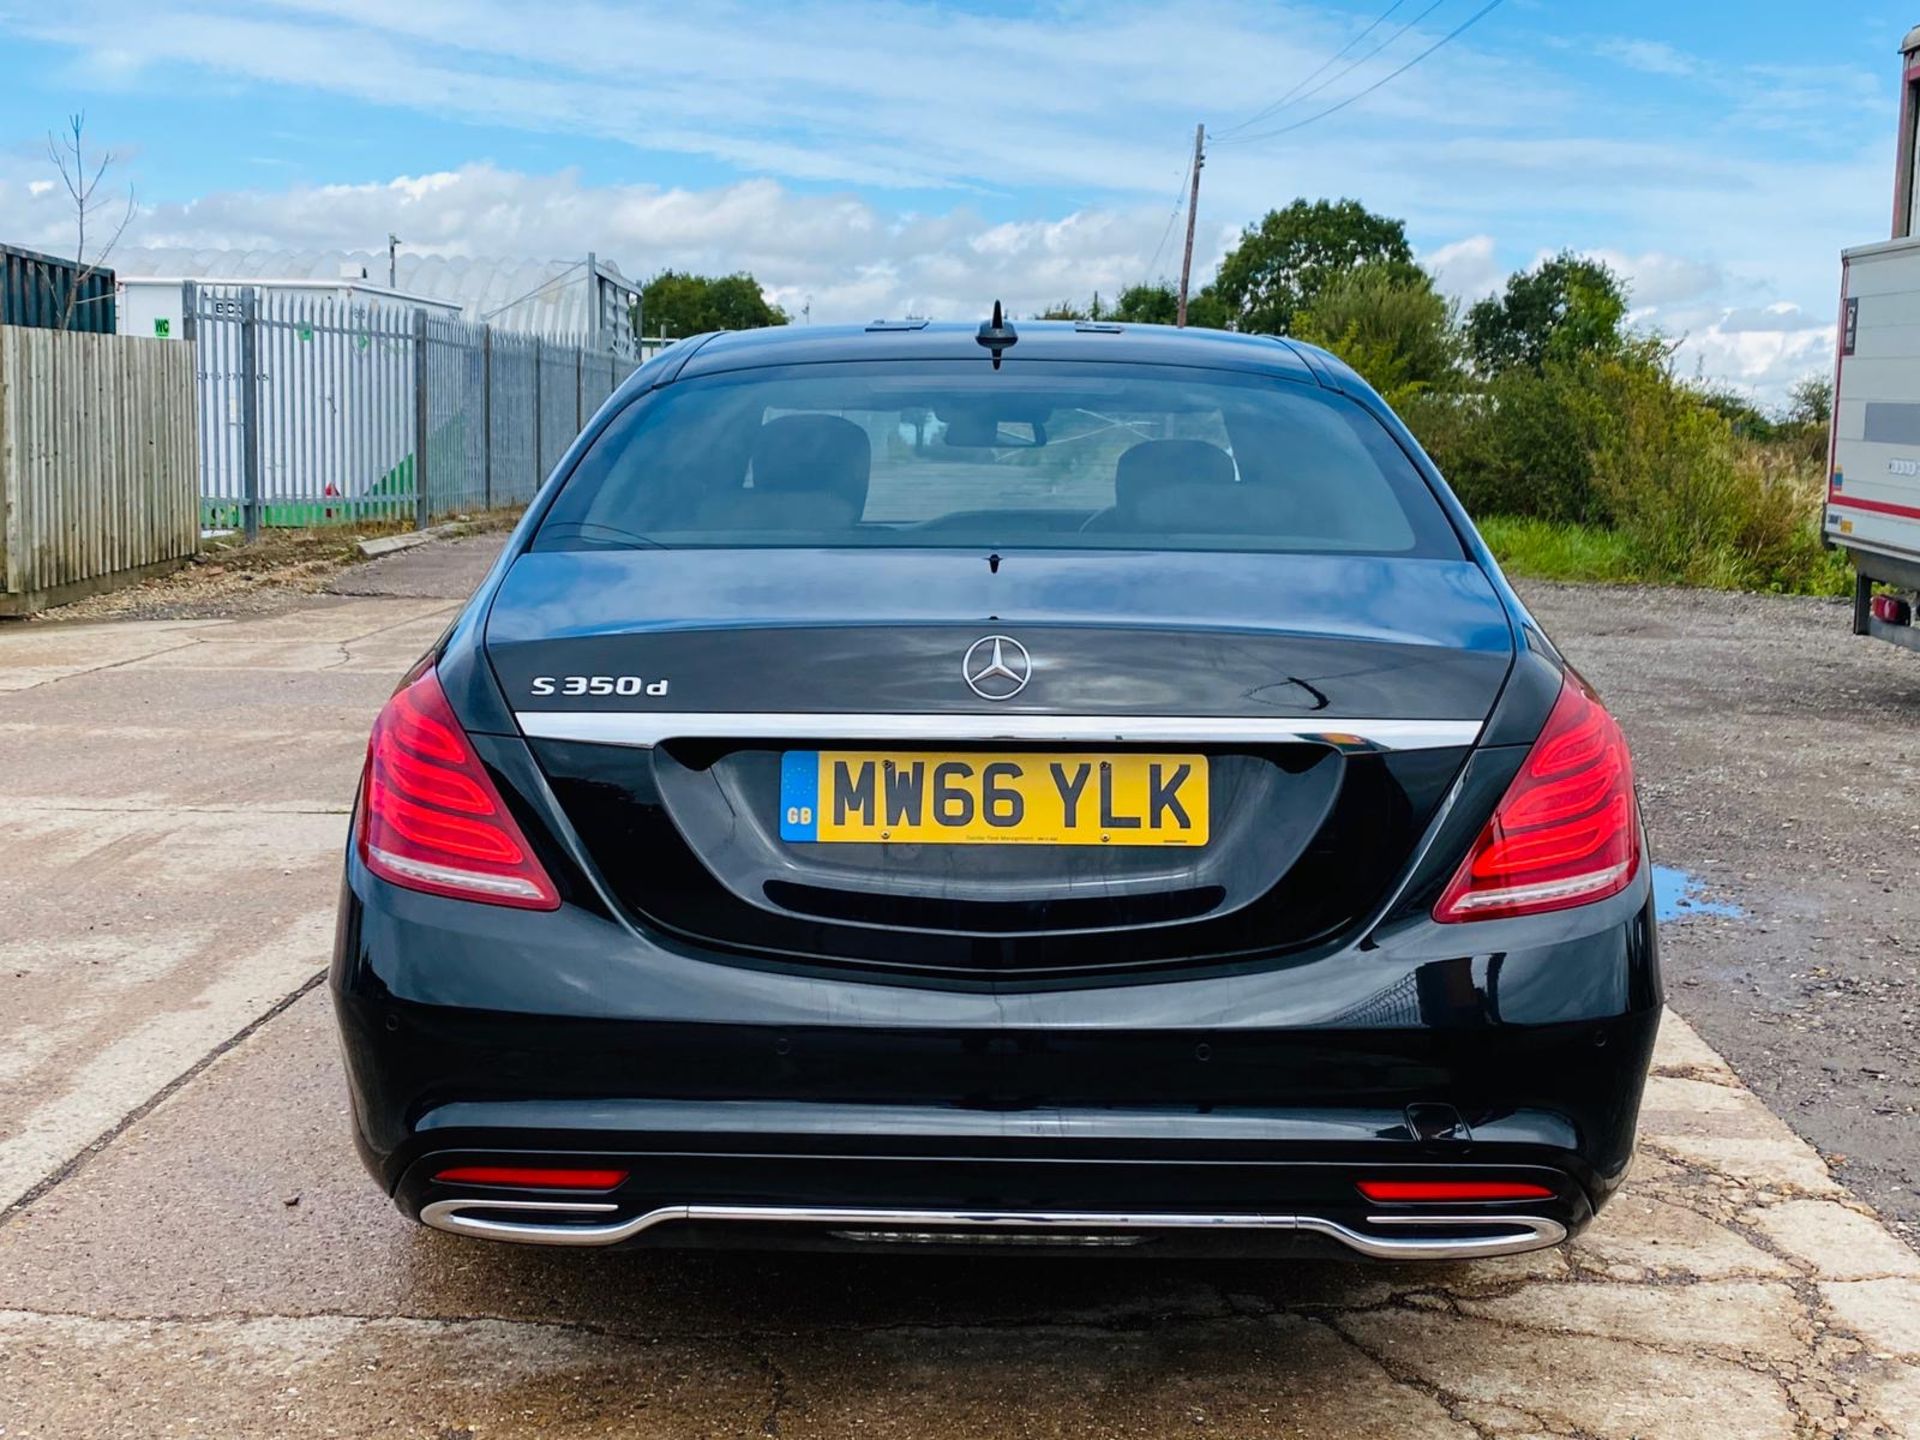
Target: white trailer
[[1873, 490], [1873, 475]]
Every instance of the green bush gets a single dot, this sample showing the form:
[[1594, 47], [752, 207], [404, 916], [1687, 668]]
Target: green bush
[[1560, 427], [1524, 445], [1699, 504], [1616, 442], [1389, 323]]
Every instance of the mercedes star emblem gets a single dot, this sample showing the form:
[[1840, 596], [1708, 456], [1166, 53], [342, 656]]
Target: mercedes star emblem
[[997, 667]]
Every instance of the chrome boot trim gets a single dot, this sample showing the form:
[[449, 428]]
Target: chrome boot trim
[[654, 727]]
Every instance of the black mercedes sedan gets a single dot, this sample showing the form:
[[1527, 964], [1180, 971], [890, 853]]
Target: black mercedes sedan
[[1041, 785]]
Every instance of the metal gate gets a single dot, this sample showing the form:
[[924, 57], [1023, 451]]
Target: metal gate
[[319, 410]]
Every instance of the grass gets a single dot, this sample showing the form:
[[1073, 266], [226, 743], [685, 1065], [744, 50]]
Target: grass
[[1535, 549], [1558, 550]]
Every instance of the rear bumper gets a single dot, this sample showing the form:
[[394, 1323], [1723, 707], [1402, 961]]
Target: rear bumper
[[750, 1106], [1449, 1236], [1187, 1178], [1176, 1178]]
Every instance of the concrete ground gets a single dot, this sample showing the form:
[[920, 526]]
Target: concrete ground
[[189, 1248]]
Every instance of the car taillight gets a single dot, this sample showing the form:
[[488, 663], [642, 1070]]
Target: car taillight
[[431, 818], [1567, 831]]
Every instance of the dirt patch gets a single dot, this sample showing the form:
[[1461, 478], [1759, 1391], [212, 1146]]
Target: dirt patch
[[229, 579]]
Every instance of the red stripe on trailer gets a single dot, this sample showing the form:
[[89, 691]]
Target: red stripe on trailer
[[1879, 507]]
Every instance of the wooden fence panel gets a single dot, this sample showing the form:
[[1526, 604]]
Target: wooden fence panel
[[99, 463]]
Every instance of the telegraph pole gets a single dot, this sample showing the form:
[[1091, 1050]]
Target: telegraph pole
[[1193, 204], [393, 260]]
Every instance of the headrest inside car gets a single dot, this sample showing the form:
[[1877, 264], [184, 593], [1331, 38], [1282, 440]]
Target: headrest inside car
[[796, 454], [1166, 465]]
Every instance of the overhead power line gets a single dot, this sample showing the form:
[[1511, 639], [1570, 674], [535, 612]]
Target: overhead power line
[[1391, 75], [1354, 64], [1324, 66], [1179, 199]]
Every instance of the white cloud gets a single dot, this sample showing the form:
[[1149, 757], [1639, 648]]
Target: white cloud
[[1467, 269], [1782, 318], [1650, 57], [1055, 135], [1656, 279], [1726, 331], [1803, 97], [850, 259], [1763, 359], [858, 92]]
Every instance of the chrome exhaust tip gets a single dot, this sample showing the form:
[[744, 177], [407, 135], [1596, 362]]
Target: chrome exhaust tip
[[578, 1223]]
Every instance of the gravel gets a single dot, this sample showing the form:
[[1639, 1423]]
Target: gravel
[[1779, 763]]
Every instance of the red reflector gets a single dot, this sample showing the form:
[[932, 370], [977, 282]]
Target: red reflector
[[1453, 1190], [1892, 610], [431, 818], [532, 1177], [1567, 832]]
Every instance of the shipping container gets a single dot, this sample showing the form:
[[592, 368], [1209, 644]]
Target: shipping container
[[34, 291]]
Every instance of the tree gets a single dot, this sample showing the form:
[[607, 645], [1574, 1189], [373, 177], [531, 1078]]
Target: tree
[[1565, 306], [68, 153], [1159, 304], [1144, 305], [1744, 418], [1150, 305], [1810, 403], [1387, 321], [1068, 310], [678, 304], [1281, 265], [1803, 425]]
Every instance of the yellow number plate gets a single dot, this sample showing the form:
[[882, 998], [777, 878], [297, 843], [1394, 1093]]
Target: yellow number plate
[[914, 798]]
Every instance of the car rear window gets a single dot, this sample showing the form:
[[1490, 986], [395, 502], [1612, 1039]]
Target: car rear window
[[948, 454]]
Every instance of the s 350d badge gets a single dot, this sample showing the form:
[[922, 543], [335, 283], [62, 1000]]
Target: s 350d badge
[[597, 685]]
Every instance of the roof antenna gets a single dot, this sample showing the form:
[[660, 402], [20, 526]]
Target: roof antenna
[[996, 335]]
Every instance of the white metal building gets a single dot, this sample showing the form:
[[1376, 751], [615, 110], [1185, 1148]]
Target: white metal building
[[151, 304], [586, 300]]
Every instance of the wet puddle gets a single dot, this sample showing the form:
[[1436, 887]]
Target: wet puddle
[[1676, 896]]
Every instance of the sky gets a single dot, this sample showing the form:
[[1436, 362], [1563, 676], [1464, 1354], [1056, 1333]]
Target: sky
[[888, 157]]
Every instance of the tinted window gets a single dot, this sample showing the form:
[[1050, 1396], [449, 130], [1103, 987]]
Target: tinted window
[[1041, 455]]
